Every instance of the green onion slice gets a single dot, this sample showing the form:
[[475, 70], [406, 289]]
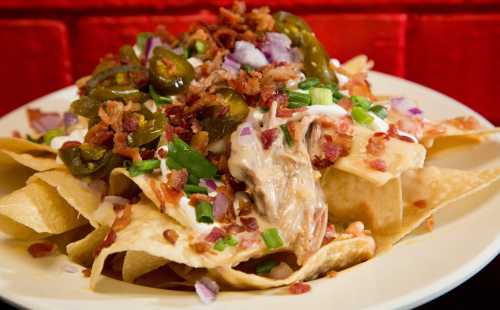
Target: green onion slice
[[159, 100], [220, 245], [379, 110], [191, 189], [265, 267], [272, 238], [361, 102], [204, 212], [143, 166], [361, 116], [322, 96], [309, 83], [286, 135]]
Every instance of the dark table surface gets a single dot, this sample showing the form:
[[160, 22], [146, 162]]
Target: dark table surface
[[482, 288]]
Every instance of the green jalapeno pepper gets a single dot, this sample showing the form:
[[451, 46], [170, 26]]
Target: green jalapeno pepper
[[169, 73], [149, 132]]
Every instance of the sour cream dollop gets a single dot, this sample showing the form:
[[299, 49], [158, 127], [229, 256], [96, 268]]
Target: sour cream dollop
[[75, 135]]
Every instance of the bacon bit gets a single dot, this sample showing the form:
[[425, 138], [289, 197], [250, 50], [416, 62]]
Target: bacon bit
[[247, 84], [436, 130], [171, 236], [130, 122], [169, 132], [464, 123], [229, 17], [197, 198], [330, 234], [248, 242], [421, 204], [346, 104], [321, 163], [332, 151], [215, 234], [124, 219], [299, 288], [201, 247], [429, 223], [70, 144], [177, 179], [199, 142], [345, 126], [107, 242], [234, 229], [393, 131], [406, 139], [378, 164], [41, 249], [376, 144], [121, 147], [260, 19], [331, 274], [162, 153], [225, 37], [99, 134], [170, 195], [268, 136], [16, 134], [147, 153], [87, 272], [250, 223], [158, 194]]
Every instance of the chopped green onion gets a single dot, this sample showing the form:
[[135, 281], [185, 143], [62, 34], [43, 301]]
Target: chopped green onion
[[200, 46], [379, 110], [191, 189], [140, 167], [193, 180], [230, 240], [159, 100], [321, 96], [297, 99], [265, 267], [272, 238], [247, 68], [361, 102], [361, 116], [196, 164], [51, 134], [220, 245], [309, 83], [286, 135], [204, 212], [173, 165]]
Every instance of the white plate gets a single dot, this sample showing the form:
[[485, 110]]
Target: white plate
[[420, 268]]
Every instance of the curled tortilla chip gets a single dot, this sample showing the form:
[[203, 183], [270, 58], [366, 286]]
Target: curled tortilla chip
[[27, 160], [334, 256], [399, 156], [122, 182], [82, 251], [19, 231], [39, 207], [145, 233], [427, 190], [18, 145], [138, 263], [351, 198], [357, 64], [74, 191]]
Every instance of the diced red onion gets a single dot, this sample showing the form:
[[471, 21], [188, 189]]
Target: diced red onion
[[247, 54], [405, 107], [279, 39], [221, 203], [207, 290], [231, 65], [116, 200], [151, 43], [245, 131], [277, 47], [41, 122], [208, 183], [415, 111], [69, 119]]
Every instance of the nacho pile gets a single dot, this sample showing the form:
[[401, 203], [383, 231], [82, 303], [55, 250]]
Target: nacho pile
[[237, 155]]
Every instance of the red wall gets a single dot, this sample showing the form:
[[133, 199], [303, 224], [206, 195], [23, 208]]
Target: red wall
[[450, 45]]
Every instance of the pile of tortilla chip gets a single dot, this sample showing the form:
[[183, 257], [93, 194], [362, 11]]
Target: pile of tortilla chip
[[134, 241]]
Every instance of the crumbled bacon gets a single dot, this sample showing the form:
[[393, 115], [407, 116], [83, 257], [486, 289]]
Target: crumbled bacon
[[248, 242], [378, 164], [121, 147], [87, 272], [234, 229], [197, 198], [16, 134], [260, 19], [107, 242], [171, 236], [99, 134], [177, 179], [331, 151], [201, 247], [225, 37], [331, 274], [41, 249], [268, 136], [130, 122], [330, 234], [70, 144], [158, 194], [376, 144], [249, 223], [345, 126], [421, 204], [247, 83], [170, 194], [215, 234], [169, 132], [299, 288], [124, 219], [345, 103]]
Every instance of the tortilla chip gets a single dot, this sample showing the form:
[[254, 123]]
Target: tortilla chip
[[39, 207], [82, 251], [74, 191], [19, 231], [145, 233], [357, 64], [399, 156], [121, 182], [334, 256], [66, 238], [27, 160], [137, 263], [351, 198], [434, 188], [19, 145]]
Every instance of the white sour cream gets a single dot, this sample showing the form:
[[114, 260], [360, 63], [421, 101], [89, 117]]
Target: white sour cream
[[190, 213], [378, 124], [75, 135], [331, 110]]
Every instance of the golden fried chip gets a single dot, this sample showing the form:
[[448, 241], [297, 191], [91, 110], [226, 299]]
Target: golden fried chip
[[351, 198], [19, 145], [137, 263], [82, 251]]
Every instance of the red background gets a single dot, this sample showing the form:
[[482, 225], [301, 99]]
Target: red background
[[450, 45]]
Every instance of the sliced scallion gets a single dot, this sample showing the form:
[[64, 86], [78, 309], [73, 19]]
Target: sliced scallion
[[191, 189], [379, 110], [265, 267], [322, 96], [309, 83], [286, 135], [204, 212], [200, 46], [230, 240], [298, 99], [361, 116], [143, 166], [220, 245], [272, 238], [361, 102]]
